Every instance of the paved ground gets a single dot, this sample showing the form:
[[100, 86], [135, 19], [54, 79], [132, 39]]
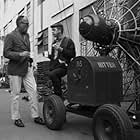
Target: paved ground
[[77, 127]]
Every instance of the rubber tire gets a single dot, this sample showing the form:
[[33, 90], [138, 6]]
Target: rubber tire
[[117, 118], [58, 114]]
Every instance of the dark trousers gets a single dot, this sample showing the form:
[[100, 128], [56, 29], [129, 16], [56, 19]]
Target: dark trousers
[[56, 75]]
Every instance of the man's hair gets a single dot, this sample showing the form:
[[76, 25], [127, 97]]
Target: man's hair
[[18, 20], [59, 26]]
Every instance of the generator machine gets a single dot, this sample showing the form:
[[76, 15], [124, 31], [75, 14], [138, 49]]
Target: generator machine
[[104, 83]]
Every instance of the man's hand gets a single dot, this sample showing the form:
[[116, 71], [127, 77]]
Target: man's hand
[[57, 47], [25, 54], [60, 49]]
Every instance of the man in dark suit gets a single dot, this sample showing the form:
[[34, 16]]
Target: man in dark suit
[[17, 50], [63, 50]]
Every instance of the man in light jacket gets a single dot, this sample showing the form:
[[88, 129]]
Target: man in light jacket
[[20, 69]]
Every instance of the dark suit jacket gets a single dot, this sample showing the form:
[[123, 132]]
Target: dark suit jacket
[[13, 45], [66, 55]]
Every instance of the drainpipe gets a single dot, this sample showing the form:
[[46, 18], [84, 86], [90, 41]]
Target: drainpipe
[[33, 30], [41, 15]]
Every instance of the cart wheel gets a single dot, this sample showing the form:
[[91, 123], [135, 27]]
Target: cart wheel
[[110, 122], [54, 112]]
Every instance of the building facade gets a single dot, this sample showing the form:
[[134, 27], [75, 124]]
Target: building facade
[[42, 14]]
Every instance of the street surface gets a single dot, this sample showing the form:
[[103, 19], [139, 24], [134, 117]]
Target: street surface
[[76, 128]]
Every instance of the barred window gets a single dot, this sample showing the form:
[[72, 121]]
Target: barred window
[[42, 41]]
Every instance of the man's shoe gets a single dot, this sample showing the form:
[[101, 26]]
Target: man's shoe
[[39, 120], [19, 123]]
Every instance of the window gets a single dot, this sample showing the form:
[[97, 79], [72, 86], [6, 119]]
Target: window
[[42, 41], [45, 40], [67, 24]]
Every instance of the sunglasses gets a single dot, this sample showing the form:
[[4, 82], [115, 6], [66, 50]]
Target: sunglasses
[[24, 23]]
